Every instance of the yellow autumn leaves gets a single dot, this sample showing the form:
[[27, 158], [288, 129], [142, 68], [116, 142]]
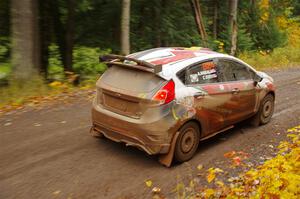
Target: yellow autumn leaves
[[264, 6], [212, 174], [277, 178], [280, 176]]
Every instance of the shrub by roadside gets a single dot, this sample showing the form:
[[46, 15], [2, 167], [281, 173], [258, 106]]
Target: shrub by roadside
[[279, 58]]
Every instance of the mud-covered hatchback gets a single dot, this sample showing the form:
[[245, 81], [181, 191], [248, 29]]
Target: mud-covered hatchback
[[166, 100]]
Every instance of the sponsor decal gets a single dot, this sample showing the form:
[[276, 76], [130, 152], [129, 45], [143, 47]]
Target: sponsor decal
[[194, 78], [221, 87], [207, 77]]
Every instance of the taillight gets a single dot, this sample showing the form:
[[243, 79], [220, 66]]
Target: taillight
[[166, 94]]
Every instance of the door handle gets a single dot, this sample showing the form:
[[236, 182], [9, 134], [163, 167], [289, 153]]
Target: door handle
[[199, 95], [235, 91]]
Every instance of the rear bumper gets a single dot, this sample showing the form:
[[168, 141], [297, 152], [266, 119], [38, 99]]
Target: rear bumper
[[153, 137]]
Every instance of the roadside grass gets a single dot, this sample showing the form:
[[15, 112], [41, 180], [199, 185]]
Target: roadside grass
[[278, 177], [5, 68], [279, 58], [17, 92], [37, 91]]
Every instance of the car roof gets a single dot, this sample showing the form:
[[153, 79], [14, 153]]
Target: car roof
[[175, 59], [169, 55]]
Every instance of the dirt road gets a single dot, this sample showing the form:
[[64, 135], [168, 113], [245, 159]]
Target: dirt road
[[49, 153]]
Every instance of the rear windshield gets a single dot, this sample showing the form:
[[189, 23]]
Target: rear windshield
[[130, 79]]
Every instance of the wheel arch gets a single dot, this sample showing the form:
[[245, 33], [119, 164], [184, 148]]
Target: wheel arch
[[194, 121], [271, 93]]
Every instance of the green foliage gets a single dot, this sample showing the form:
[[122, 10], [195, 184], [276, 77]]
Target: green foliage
[[4, 49], [244, 41], [161, 23], [86, 60], [5, 66], [5, 69], [55, 66], [270, 36], [98, 24]]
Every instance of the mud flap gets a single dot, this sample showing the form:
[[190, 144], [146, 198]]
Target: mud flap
[[95, 133], [166, 159]]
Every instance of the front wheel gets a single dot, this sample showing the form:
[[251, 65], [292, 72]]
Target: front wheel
[[265, 112], [187, 142]]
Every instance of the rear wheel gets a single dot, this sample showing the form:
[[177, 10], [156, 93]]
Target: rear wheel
[[187, 142], [265, 112]]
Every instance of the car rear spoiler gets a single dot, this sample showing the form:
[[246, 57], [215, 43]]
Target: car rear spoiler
[[118, 60]]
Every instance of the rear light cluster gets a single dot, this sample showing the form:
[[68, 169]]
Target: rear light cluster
[[166, 94]]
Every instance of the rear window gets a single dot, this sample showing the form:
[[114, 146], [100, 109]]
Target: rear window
[[131, 80]]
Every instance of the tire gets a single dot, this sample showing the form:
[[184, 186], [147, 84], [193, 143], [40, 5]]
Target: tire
[[187, 142], [265, 111]]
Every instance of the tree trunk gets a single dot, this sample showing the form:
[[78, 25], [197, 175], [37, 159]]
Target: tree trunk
[[25, 48], [233, 25], [45, 35], [125, 27], [70, 35], [199, 20], [4, 17], [64, 34], [215, 19], [59, 30]]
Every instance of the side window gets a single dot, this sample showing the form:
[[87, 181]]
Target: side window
[[201, 73], [233, 71]]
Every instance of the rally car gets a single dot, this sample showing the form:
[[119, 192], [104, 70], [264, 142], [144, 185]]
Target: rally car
[[166, 100]]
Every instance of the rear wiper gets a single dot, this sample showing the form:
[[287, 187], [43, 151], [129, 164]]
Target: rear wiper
[[111, 59]]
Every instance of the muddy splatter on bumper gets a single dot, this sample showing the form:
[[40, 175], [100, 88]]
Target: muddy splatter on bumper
[[152, 137]]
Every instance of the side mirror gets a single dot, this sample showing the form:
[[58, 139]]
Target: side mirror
[[256, 79]]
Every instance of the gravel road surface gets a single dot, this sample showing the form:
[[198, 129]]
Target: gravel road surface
[[49, 153]]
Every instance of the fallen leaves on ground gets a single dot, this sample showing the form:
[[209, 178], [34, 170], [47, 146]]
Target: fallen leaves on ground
[[236, 157], [277, 177], [200, 167], [212, 174], [148, 183], [7, 124], [56, 192], [60, 94], [37, 124]]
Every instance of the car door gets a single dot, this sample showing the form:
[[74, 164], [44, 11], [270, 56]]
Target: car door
[[238, 79], [212, 97]]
